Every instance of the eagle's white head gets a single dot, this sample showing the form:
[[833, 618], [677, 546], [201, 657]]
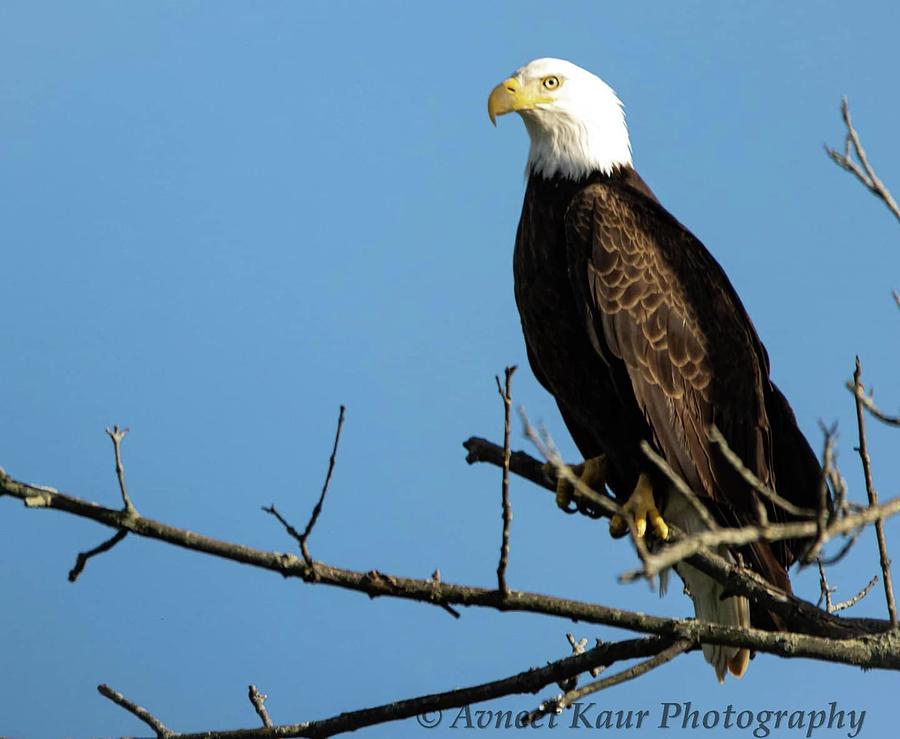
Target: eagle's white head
[[575, 121]]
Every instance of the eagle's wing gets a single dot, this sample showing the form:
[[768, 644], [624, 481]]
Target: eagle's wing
[[668, 313]]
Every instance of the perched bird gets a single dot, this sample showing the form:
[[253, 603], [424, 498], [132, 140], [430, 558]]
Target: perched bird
[[637, 332]]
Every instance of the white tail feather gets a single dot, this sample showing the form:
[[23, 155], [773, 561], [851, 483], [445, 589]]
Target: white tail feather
[[709, 605]]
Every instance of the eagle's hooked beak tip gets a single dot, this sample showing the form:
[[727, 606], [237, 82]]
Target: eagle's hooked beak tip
[[503, 99]]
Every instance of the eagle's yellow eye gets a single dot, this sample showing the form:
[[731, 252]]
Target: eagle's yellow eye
[[551, 83]]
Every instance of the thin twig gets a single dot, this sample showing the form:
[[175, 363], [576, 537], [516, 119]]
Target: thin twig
[[545, 445], [292, 532], [133, 708], [549, 451], [812, 551], [735, 461], [83, 557], [862, 171], [506, 396], [829, 468], [578, 647], [116, 435], [259, 705], [436, 591], [637, 670], [557, 705], [873, 496], [825, 590], [856, 598], [869, 402], [318, 508]]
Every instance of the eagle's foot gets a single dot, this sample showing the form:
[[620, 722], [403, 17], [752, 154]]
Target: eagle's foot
[[591, 473], [643, 508]]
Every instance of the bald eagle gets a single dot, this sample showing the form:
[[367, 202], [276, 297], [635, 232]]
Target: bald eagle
[[637, 332]]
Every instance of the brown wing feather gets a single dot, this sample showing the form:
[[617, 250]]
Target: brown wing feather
[[667, 311]]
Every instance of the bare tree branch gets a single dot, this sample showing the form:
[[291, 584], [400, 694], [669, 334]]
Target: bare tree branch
[[117, 435], [557, 705], [506, 396], [427, 707], [861, 642], [869, 402], [856, 598], [83, 557], [863, 171], [133, 708], [603, 504], [259, 705], [873, 495], [318, 508], [825, 589]]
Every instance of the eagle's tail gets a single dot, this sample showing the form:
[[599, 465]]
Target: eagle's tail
[[709, 605], [707, 594]]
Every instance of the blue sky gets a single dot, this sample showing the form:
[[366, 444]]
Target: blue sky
[[222, 220]]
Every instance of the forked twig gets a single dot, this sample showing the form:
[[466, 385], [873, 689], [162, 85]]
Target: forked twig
[[863, 171], [318, 507], [869, 401], [302, 538], [116, 435]]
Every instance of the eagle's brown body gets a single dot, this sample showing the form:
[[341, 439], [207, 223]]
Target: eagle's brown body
[[634, 328]]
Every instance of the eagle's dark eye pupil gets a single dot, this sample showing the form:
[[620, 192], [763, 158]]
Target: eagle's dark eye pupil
[[551, 82]]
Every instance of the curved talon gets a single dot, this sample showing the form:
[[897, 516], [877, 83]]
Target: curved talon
[[618, 526], [591, 473], [642, 507], [564, 489], [572, 506]]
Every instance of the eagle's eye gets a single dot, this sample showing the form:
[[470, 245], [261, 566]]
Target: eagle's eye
[[551, 83]]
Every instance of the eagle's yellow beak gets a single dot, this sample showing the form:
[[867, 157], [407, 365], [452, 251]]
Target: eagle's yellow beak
[[510, 96]]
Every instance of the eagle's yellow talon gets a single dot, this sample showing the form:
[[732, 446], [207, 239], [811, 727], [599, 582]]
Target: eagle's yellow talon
[[660, 528], [642, 506], [591, 473], [618, 526], [564, 493]]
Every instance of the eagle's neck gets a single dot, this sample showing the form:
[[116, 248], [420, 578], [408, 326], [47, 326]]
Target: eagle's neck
[[573, 147]]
